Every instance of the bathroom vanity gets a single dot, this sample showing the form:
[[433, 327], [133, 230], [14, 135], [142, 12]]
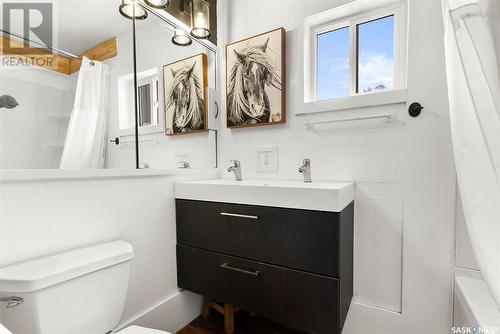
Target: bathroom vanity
[[283, 250]]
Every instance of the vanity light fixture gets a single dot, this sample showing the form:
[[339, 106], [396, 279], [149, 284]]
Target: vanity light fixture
[[181, 38], [128, 7], [159, 4], [200, 19]]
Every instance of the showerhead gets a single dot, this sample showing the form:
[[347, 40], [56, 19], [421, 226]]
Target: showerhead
[[7, 101]]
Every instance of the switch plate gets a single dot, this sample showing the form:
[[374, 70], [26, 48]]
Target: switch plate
[[267, 159]]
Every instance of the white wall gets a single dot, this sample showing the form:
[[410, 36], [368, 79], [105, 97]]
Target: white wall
[[465, 257], [33, 133], [370, 156], [45, 217], [429, 186]]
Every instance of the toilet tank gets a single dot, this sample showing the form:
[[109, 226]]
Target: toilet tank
[[78, 292]]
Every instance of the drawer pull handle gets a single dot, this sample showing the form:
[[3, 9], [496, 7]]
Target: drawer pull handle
[[238, 215], [243, 271]]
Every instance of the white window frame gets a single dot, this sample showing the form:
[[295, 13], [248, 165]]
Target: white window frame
[[126, 102], [154, 97], [351, 15]]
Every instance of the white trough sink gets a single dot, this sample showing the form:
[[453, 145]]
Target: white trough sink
[[321, 196]]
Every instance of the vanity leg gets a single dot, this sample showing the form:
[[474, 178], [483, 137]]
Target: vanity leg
[[229, 318], [205, 313], [227, 311]]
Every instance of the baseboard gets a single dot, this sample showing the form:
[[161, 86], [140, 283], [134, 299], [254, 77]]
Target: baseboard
[[363, 319], [468, 273], [170, 314], [175, 312]]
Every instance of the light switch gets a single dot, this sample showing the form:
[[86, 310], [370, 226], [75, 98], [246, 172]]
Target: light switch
[[267, 159]]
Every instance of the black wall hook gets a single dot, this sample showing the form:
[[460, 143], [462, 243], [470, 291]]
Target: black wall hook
[[415, 109]]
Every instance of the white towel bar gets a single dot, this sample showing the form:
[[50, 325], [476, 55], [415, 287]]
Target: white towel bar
[[387, 117], [118, 141], [140, 141]]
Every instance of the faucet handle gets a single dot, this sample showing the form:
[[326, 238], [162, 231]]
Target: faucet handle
[[236, 163], [306, 162], [184, 164]]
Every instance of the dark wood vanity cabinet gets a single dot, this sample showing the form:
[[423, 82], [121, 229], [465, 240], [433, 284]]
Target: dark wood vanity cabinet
[[293, 266]]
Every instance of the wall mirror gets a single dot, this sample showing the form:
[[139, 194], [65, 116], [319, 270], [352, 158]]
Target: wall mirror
[[47, 96], [164, 50]]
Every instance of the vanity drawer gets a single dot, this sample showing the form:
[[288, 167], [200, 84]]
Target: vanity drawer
[[306, 301], [299, 239]]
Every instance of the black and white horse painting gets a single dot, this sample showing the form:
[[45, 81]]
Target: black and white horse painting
[[184, 96], [254, 83]]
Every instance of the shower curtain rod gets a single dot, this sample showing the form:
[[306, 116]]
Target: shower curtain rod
[[42, 46]]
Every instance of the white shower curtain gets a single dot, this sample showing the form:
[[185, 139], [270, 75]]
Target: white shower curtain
[[474, 96], [85, 144]]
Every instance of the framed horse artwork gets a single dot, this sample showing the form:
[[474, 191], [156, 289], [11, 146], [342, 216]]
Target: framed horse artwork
[[185, 83], [255, 80]]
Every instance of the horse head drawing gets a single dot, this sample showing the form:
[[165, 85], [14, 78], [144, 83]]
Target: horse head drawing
[[248, 101], [185, 97]]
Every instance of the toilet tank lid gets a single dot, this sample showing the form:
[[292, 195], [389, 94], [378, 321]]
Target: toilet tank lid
[[51, 270]]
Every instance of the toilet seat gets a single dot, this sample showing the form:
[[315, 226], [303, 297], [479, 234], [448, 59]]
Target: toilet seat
[[140, 330]]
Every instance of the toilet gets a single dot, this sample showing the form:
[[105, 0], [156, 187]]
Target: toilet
[[77, 292]]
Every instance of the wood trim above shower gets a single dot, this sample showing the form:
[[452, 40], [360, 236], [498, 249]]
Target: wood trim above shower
[[100, 52], [54, 61], [45, 58]]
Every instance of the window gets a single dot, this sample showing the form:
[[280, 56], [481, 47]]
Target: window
[[147, 100], [333, 64], [352, 56], [375, 55], [373, 69], [150, 118]]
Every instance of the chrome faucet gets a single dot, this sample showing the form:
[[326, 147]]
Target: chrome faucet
[[305, 169], [236, 169], [184, 164]]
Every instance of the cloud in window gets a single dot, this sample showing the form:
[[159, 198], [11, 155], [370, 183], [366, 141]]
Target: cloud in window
[[375, 72], [337, 65]]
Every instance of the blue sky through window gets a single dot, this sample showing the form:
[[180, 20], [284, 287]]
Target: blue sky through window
[[333, 64], [376, 54], [375, 59]]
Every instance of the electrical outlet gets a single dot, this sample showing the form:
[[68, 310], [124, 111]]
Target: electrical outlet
[[267, 159]]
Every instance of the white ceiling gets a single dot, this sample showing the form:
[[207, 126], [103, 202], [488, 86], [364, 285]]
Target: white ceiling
[[82, 24]]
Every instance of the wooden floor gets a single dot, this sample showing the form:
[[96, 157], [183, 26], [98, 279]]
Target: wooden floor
[[243, 324]]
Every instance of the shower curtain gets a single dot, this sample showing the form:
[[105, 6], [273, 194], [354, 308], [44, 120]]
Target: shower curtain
[[474, 94], [85, 144]]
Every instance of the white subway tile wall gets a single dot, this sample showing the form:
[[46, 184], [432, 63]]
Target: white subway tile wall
[[378, 241], [43, 218]]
